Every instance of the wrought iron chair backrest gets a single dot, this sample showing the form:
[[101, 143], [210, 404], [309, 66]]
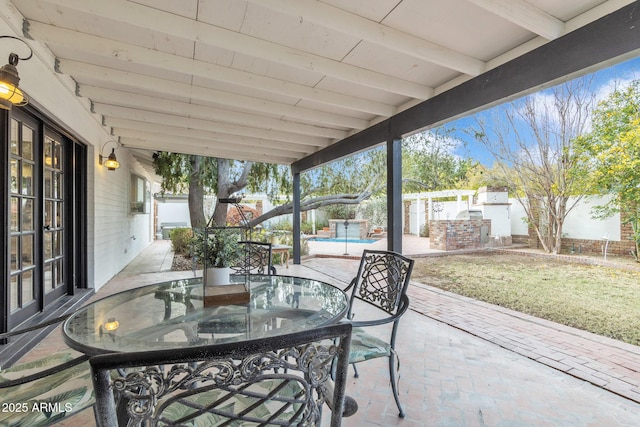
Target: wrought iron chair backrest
[[256, 259], [382, 279], [279, 380]]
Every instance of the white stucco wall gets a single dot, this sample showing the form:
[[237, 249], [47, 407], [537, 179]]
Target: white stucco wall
[[500, 216], [173, 211], [579, 223], [119, 235], [519, 226]]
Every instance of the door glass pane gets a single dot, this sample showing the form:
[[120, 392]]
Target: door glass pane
[[14, 292], [57, 243], [48, 277], [47, 245], [57, 155], [28, 293], [58, 273], [27, 143], [15, 214], [14, 254], [27, 251], [27, 214], [15, 148], [48, 185], [59, 215], [48, 151], [48, 214], [15, 177], [27, 179], [57, 185]]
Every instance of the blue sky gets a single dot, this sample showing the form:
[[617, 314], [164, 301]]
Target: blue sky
[[603, 79]]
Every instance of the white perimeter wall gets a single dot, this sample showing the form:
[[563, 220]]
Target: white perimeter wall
[[440, 210], [177, 210], [578, 225]]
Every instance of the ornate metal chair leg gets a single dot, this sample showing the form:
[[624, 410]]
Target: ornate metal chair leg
[[394, 384]]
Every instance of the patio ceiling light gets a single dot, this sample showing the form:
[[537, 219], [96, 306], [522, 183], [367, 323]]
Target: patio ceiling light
[[112, 162], [10, 93]]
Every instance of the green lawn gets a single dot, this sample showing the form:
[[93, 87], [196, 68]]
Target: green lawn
[[602, 300]]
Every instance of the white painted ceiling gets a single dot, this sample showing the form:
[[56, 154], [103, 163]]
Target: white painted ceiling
[[277, 80]]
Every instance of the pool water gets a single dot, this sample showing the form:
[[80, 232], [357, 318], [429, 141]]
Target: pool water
[[341, 240]]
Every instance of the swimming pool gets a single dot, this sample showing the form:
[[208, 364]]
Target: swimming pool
[[341, 240]]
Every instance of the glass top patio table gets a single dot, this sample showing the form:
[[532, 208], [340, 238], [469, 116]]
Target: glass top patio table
[[172, 315]]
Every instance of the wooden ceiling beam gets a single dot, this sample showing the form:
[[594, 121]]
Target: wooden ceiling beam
[[106, 77], [525, 15], [209, 151], [221, 143], [119, 125], [358, 26], [162, 22], [125, 53], [213, 126], [196, 111]]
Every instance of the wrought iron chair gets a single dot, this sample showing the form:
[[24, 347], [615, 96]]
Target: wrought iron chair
[[40, 392], [282, 380], [382, 282], [257, 259]]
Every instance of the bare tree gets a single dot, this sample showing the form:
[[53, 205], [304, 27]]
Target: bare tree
[[532, 142]]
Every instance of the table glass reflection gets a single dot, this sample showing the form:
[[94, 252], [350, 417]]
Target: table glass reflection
[[172, 315]]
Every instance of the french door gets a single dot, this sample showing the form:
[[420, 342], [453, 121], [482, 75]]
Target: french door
[[44, 187]]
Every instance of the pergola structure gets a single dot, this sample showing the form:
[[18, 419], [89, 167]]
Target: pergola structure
[[305, 82]]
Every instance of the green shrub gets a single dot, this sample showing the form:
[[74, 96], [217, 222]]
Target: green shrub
[[181, 240], [306, 227], [218, 247]]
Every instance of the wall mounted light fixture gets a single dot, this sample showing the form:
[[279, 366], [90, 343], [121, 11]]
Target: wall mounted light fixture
[[111, 162], [10, 93]]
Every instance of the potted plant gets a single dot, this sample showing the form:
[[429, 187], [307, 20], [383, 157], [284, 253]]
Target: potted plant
[[217, 250]]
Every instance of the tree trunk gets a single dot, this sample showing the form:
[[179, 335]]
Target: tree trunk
[[224, 185], [196, 196], [226, 188]]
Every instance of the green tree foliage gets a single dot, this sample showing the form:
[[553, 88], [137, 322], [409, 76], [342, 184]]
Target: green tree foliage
[[610, 156], [349, 175], [178, 170], [429, 162], [481, 176]]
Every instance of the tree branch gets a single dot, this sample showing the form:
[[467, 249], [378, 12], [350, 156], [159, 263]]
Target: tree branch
[[314, 203]]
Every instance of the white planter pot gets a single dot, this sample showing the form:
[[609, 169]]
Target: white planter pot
[[216, 276]]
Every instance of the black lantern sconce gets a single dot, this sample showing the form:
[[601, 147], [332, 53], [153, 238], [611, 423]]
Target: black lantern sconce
[[10, 93], [111, 162]]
